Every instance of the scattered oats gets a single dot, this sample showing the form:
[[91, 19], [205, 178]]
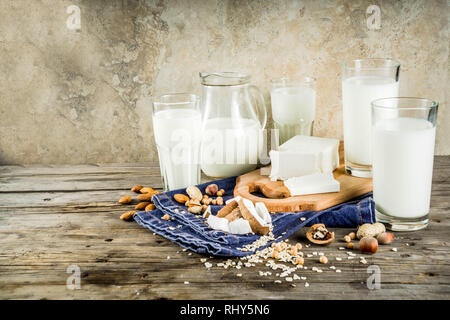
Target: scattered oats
[[303, 219], [289, 279], [363, 261], [338, 270], [186, 282], [293, 285], [306, 284], [309, 255], [184, 250], [341, 248], [277, 281], [208, 265], [350, 258], [333, 267], [239, 275], [407, 244], [303, 278], [315, 253], [394, 249], [220, 264], [296, 277], [320, 253], [338, 259], [176, 210], [306, 268], [190, 254], [203, 260], [168, 257]]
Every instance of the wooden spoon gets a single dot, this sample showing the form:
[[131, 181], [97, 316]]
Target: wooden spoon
[[312, 230]]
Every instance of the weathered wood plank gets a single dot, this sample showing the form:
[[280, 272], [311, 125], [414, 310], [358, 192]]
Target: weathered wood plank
[[45, 227]]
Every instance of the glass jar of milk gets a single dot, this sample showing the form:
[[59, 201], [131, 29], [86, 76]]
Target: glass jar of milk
[[234, 116], [362, 82], [293, 107], [403, 131]]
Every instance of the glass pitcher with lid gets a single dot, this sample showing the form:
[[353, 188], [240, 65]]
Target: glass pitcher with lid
[[234, 116]]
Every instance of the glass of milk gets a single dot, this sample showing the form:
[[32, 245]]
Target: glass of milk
[[403, 132], [362, 82], [293, 106], [177, 129]]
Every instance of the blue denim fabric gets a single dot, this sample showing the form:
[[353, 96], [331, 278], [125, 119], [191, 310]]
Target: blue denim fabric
[[191, 231]]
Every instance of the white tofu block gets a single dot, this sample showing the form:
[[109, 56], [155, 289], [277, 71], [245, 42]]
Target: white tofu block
[[251, 207], [312, 184], [302, 155], [240, 226], [218, 223], [287, 164]]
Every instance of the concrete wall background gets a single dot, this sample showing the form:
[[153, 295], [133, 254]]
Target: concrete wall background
[[81, 96]]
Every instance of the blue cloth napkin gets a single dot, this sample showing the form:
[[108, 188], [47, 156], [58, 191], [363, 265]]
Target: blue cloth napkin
[[191, 231]]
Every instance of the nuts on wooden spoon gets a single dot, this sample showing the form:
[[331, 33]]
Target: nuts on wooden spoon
[[319, 234]]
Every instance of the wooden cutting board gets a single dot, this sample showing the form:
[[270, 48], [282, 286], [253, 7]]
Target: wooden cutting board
[[351, 187]]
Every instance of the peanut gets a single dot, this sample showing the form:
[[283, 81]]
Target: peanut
[[220, 193], [219, 201], [195, 209], [323, 260]]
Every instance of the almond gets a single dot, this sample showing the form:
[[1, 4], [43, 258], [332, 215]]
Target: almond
[[150, 207], [181, 198], [136, 188], [146, 190], [145, 197], [125, 199], [127, 215], [141, 205]]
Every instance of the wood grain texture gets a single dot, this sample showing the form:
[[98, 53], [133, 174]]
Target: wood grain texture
[[45, 227]]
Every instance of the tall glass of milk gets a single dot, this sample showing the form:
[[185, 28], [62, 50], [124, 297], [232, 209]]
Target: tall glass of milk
[[362, 82], [177, 129], [403, 132], [293, 107]]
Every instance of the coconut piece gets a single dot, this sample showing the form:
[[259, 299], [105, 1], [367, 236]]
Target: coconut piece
[[250, 214], [240, 226], [319, 234], [262, 211], [233, 199], [218, 223], [230, 206], [207, 212], [235, 214]]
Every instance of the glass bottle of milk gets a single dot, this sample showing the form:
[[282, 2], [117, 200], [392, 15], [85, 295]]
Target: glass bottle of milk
[[362, 82], [293, 107], [404, 131]]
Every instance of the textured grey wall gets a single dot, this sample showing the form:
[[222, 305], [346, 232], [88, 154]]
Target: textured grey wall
[[81, 96]]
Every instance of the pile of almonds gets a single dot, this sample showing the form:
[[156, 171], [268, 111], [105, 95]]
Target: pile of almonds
[[144, 198], [196, 202]]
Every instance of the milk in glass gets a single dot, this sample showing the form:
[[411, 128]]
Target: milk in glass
[[403, 166], [357, 94], [177, 135], [293, 111]]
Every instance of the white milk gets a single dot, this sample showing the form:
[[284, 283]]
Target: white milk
[[229, 147], [403, 166], [357, 95], [293, 111], [177, 136]]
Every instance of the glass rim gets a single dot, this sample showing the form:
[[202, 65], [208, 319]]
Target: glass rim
[[229, 78], [305, 80], [394, 64], [184, 98], [430, 104]]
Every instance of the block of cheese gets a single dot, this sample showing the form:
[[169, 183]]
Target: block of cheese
[[312, 184], [302, 155]]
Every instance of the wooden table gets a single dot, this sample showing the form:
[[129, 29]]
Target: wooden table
[[54, 217]]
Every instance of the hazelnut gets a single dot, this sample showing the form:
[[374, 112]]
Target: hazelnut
[[211, 189], [323, 260], [347, 239], [299, 246], [368, 244], [214, 202], [299, 261], [219, 201], [385, 238], [352, 235], [350, 245], [220, 193]]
